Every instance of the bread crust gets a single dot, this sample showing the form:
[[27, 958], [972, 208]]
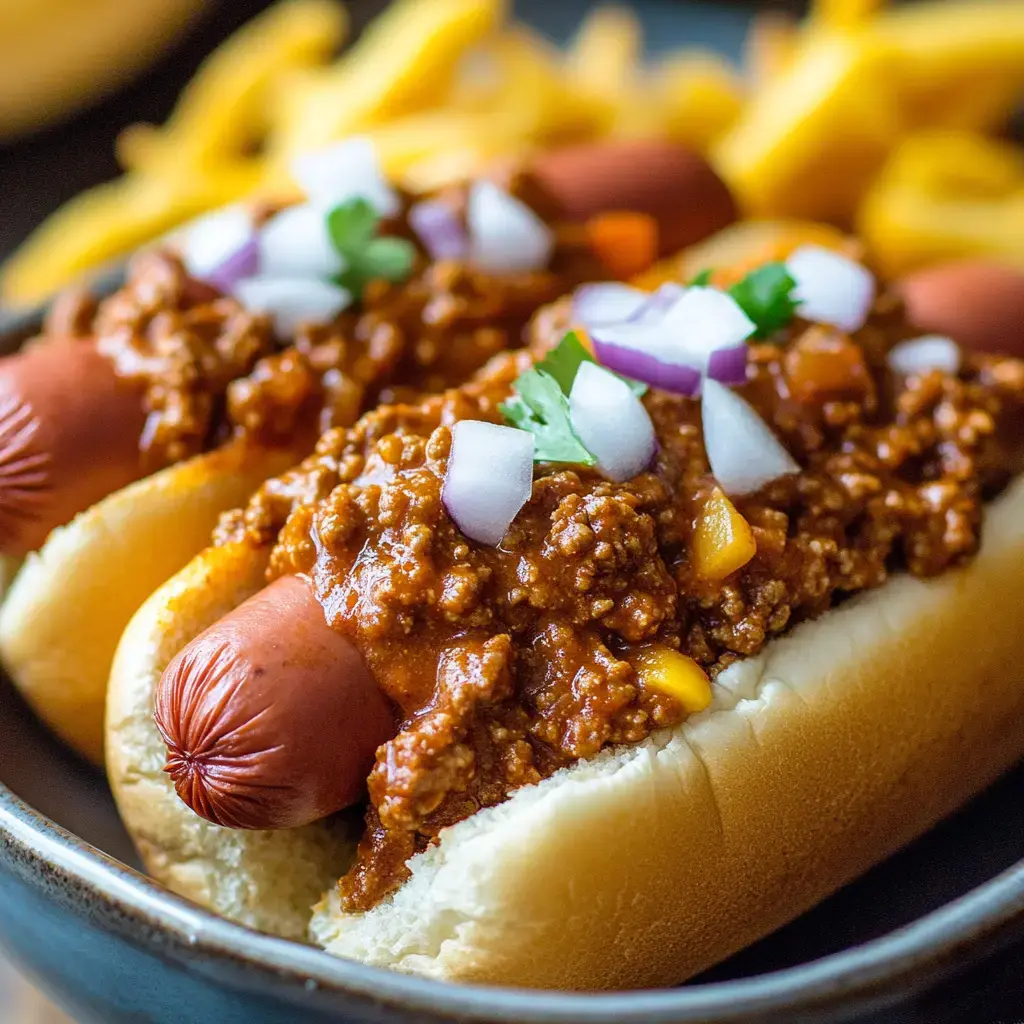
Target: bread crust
[[67, 607], [841, 742]]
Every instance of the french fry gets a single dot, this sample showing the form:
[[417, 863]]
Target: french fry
[[222, 112], [961, 62], [769, 47], [944, 196], [112, 220], [701, 96], [606, 52], [404, 62], [842, 14], [811, 140]]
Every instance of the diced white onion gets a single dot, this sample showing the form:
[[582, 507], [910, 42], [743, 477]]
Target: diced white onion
[[347, 170], [506, 236], [606, 302], [704, 320], [489, 478], [212, 239], [296, 243], [611, 422], [743, 453], [830, 288], [292, 301], [929, 352]]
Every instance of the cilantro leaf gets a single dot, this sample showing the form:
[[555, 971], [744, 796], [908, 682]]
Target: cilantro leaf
[[766, 296], [564, 360], [701, 280], [351, 225], [539, 405], [389, 258]]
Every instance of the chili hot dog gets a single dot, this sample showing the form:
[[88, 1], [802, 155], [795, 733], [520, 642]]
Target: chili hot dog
[[642, 710]]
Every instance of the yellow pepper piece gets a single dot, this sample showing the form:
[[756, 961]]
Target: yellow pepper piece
[[811, 139], [946, 196], [723, 541], [667, 671]]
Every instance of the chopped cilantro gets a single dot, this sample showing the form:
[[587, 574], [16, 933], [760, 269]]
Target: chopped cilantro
[[352, 227], [766, 296], [701, 280], [563, 363], [389, 258], [539, 405], [352, 224]]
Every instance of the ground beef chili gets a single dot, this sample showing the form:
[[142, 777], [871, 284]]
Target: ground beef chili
[[507, 663], [211, 369]]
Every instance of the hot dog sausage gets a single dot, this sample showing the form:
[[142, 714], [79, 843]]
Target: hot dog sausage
[[270, 717], [69, 435], [979, 304], [673, 184]]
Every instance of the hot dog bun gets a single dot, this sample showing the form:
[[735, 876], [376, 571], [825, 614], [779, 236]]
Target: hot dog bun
[[817, 759], [67, 607]]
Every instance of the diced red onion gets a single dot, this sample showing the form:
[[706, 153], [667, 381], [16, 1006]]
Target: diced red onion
[[729, 365], [658, 303], [347, 170], [440, 230], [292, 301], [506, 236], [830, 288], [607, 302], [296, 243], [211, 240], [626, 355], [743, 452], [489, 478], [611, 422], [674, 351], [243, 263], [929, 352]]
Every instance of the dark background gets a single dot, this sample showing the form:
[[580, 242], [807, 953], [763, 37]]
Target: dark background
[[41, 172]]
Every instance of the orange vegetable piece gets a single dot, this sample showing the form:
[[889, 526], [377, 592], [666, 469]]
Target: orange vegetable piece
[[824, 364], [626, 242], [723, 541]]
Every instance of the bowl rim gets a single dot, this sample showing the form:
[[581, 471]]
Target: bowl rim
[[868, 976], [872, 975]]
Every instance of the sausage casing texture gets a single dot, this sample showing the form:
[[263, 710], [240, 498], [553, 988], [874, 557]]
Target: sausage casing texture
[[69, 436], [270, 717]]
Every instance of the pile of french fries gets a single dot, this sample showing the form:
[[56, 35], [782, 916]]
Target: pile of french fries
[[862, 117]]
